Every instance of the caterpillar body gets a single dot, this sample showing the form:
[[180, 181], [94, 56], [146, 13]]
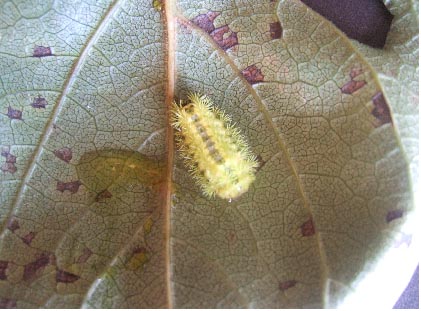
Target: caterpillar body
[[214, 151]]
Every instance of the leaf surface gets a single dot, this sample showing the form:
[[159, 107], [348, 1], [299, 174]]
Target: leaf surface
[[98, 210]]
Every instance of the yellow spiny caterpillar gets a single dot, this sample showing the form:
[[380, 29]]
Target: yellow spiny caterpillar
[[214, 151]]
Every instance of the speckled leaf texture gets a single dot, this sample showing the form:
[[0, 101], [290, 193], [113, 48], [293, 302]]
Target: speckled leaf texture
[[97, 209]]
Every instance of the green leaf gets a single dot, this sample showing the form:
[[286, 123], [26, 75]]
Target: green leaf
[[97, 209]]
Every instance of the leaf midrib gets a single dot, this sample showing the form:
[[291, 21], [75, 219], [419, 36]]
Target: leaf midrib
[[282, 145]]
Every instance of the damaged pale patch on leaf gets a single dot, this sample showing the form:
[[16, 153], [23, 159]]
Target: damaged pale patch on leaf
[[138, 259], [147, 226], [99, 170]]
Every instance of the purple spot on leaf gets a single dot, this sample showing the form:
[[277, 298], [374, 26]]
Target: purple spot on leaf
[[64, 154], [221, 38], [392, 215], [6, 303], [205, 21], [103, 195], [27, 239], [42, 51], [3, 268], [66, 277], [352, 86], [253, 74], [275, 30], [283, 286], [13, 224], [355, 72], [381, 110], [10, 158], [39, 102], [86, 253], [9, 165], [14, 113], [72, 186], [307, 228], [33, 267]]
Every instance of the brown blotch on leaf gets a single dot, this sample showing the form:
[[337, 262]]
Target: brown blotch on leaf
[[225, 42], [7, 303], [352, 86], [64, 154], [307, 228], [42, 51], [14, 113], [27, 239], [103, 195], [66, 277], [13, 224], [205, 21], [86, 253], [72, 186], [3, 268], [392, 215], [381, 110], [283, 286], [275, 30], [39, 102], [253, 74], [32, 268]]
